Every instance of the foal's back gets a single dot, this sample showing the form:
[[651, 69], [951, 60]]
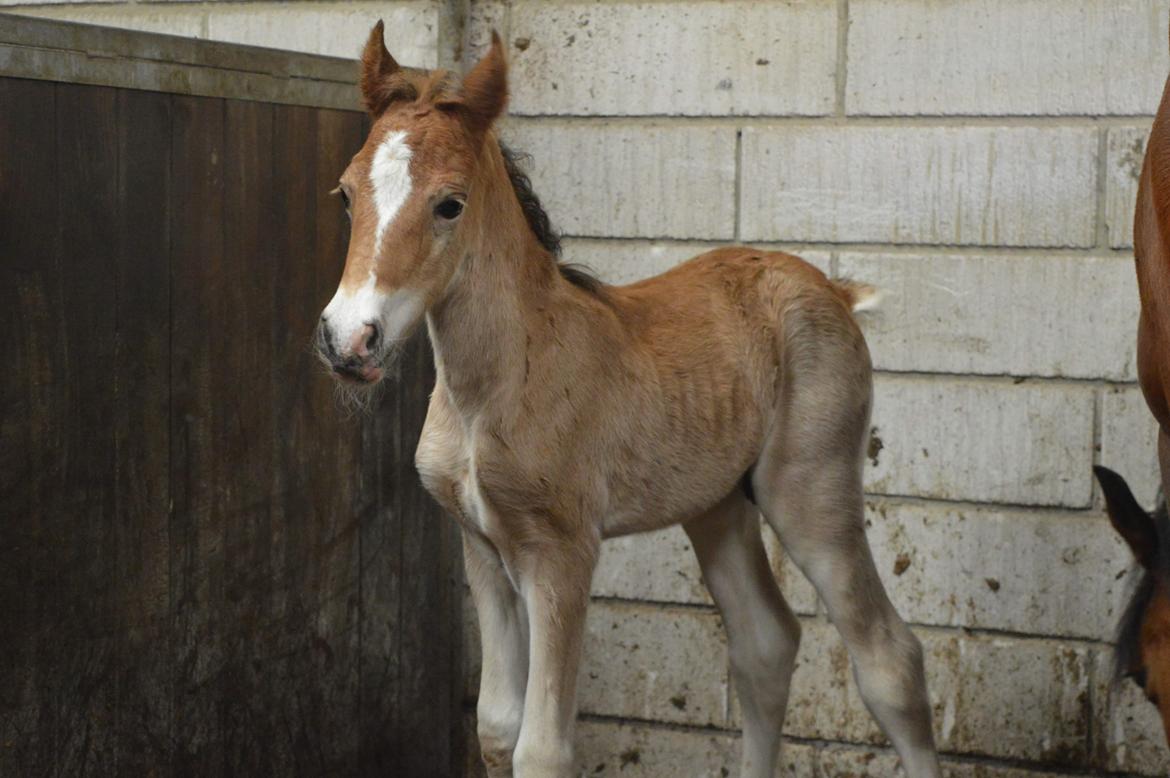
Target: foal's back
[[707, 346]]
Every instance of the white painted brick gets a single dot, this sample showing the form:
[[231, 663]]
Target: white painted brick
[[661, 567], [26, 4], [840, 761], [848, 761], [333, 29], [629, 180], [606, 748], [1035, 572], [1001, 315], [999, 57], [680, 58], [1129, 441], [1127, 729], [187, 22], [658, 566], [484, 16], [1003, 697], [1125, 153], [624, 261], [984, 441], [995, 186], [655, 663]]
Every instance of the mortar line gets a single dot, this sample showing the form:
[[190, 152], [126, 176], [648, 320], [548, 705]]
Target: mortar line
[[1102, 173], [842, 72], [1009, 378], [829, 120], [737, 208], [946, 249], [1047, 512]]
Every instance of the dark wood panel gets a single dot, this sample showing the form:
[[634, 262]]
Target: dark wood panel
[[241, 383], [335, 562], [32, 349], [295, 509], [81, 527], [211, 565], [142, 433], [430, 616], [203, 483]]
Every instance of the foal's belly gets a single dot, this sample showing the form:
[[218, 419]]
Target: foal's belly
[[673, 487]]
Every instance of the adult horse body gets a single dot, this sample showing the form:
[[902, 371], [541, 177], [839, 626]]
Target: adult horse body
[[1143, 638], [566, 411]]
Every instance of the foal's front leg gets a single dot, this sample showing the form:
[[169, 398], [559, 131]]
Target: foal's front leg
[[555, 585], [503, 634]]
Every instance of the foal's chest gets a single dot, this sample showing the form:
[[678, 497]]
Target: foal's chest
[[447, 464]]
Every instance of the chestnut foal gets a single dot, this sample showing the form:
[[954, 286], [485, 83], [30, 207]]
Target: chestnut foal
[[1143, 637], [566, 411]]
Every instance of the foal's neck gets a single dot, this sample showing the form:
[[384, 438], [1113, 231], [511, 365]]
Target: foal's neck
[[483, 327]]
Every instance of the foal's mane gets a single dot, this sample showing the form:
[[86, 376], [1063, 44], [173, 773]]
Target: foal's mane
[[540, 225], [1127, 653]]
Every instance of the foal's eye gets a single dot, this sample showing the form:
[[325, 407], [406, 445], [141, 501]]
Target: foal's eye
[[449, 209], [344, 198]]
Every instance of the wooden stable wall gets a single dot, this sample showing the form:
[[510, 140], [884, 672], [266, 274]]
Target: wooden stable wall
[[207, 565]]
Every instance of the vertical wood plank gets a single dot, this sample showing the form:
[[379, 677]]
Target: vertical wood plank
[[428, 644], [82, 623], [202, 480], [30, 399], [311, 480], [241, 382], [142, 443], [294, 507], [337, 471]]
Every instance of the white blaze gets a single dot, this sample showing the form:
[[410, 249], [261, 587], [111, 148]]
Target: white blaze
[[390, 177], [347, 312]]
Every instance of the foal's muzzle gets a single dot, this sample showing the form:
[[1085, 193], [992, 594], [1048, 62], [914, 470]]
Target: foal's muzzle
[[355, 360]]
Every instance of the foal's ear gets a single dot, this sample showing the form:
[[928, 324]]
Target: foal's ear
[[1130, 520], [485, 89], [382, 84]]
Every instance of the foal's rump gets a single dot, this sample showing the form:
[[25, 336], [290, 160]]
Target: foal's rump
[[718, 341]]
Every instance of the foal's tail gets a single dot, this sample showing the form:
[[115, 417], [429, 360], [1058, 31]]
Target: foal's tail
[[858, 296]]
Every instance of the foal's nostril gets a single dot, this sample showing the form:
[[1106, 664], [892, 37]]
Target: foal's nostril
[[375, 335]]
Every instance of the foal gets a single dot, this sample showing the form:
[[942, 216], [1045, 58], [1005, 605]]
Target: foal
[[566, 411]]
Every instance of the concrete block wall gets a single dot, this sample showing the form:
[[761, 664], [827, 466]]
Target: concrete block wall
[[975, 158]]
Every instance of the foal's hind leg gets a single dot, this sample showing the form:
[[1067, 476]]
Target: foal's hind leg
[[762, 633], [817, 512], [808, 485]]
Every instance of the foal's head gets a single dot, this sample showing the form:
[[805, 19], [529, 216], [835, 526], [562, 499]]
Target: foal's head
[[409, 193], [1143, 636]]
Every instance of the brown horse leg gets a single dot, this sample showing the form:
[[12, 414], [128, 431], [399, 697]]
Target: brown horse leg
[[555, 577], [503, 633], [762, 633]]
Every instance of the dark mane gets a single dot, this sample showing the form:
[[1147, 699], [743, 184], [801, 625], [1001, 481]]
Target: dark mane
[[540, 225], [1127, 653]]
